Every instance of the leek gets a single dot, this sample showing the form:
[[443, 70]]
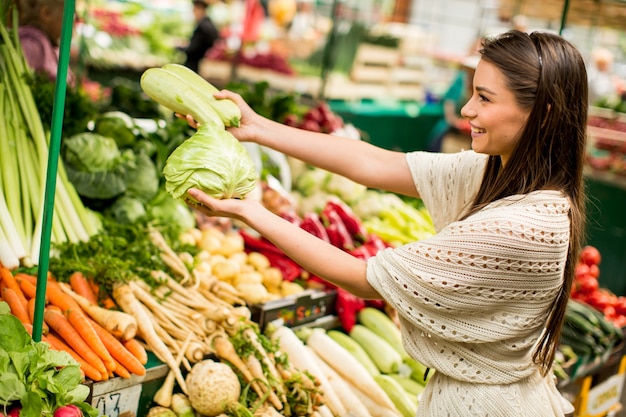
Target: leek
[[23, 169]]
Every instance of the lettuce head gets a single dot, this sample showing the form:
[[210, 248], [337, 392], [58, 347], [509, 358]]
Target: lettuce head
[[213, 161]]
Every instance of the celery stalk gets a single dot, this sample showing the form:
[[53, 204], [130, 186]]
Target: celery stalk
[[8, 161]]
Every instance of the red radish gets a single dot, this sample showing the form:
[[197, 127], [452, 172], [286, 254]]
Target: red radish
[[69, 410], [14, 411]]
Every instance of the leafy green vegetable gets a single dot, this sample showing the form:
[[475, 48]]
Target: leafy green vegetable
[[119, 253], [167, 210], [212, 160], [126, 209], [142, 179], [117, 125], [39, 379], [96, 166], [79, 109]]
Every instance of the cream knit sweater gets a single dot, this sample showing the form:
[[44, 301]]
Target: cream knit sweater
[[473, 299]]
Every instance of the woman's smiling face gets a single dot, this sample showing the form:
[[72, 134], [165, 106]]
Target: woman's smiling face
[[496, 118]]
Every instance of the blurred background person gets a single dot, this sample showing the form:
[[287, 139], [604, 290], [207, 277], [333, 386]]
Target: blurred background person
[[40, 25], [203, 37], [602, 82]]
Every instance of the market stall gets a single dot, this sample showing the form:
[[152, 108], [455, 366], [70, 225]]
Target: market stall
[[203, 294]]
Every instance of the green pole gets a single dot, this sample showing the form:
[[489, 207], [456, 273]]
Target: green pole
[[564, 16], [53, 161]]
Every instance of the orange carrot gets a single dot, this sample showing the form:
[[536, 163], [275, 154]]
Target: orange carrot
[[104, 300], [28, 288], [118, 351], [121, 371], [31, 315], [57, 297], [15, 304], [61, 325], [28, 277], [120, 324], [9, 280], [91, 372], [138, 350], [80, 285], [79, 320], [29, 329]]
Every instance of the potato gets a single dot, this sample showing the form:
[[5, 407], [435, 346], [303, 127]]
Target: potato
[[259, 261], [272, 277], [253, 277], [288, 288], [226, 270]]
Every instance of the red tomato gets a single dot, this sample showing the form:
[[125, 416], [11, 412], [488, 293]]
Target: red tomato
[[581, 270], [590, 255], [620, 305], [587, 284], [594, 270]]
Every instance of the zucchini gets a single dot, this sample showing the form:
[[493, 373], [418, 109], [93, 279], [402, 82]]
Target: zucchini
[[179, 96], [387, 360], [228, 111], [409, 384], [404, 402], [381, 324], [355, 349]]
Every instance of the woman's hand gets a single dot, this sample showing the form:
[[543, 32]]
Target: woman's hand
[[232, 208], [250, 123]]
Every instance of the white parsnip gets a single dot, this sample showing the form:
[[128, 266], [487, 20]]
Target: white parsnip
[[125, 299]]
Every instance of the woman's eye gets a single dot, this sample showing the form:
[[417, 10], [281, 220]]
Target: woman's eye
[[483, 98]]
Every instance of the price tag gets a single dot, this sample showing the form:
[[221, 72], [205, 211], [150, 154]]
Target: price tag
[[120, 403], [605, 395]]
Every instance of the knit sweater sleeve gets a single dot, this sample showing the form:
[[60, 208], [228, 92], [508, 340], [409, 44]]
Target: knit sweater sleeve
[[447, 183]]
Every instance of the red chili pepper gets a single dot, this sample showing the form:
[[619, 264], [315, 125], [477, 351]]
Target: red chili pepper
[[350, 220], [348, 306], [259, 244], [312, 223], [289, 268], [337, 232]]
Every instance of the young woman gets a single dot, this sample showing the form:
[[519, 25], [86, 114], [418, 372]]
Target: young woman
[[482, 301]]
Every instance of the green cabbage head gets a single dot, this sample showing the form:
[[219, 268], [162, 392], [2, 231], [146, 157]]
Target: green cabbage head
[[213, 161]]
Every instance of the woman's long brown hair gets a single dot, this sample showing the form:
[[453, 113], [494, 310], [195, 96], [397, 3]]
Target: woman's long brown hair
[[548, 77]]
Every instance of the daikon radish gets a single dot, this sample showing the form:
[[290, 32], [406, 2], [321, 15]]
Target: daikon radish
[[346, 365], [301, 359], [341, 387]]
